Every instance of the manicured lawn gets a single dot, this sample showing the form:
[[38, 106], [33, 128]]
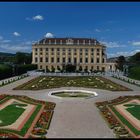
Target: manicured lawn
[[47, 82], [10, 114], [134, 110], [126, 122], [117, 120]]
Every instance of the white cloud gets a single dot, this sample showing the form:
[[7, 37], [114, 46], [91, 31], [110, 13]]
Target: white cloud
[[16, 34], [49, 35], [136, 43], [1, 37], [14, 48], [2, 40], [97, 30], [38, 17], [8, 46], [6, 41], [124, 53], [113, 44]]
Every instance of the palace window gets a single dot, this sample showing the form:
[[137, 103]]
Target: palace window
[[52, 59], [86, 50], [41, 59], [69, 60], [80, 60], [103, 60], [58, 60], [97, 60], [92, 60], [36, 60], [75, 60], [46, 59], [86, 60], [63, 60]]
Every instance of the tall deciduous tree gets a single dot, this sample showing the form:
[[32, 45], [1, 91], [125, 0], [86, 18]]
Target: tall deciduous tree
[[135, 58], [120, 62], [23, 58]]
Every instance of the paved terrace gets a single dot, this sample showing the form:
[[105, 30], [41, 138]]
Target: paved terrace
[[74, 118]]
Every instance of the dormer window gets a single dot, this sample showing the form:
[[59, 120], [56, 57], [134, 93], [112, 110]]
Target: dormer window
[[95, 42], [61, 42], [83, 42], [55, 41], [44, 41], [77, 42], [49, 41], [89, 42]]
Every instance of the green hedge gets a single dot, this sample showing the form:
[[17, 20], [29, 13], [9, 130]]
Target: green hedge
[[134, 72], [5, 71], [20, 69]]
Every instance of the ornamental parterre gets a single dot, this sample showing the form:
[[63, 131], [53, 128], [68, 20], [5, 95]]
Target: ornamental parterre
[[24, 117], [122, 115]]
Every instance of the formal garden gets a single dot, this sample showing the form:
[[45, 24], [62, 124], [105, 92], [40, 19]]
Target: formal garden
[[122, 115], [24, 117], [47, 82]]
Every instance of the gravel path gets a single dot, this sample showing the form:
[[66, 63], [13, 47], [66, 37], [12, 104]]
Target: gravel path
[[74, 118]]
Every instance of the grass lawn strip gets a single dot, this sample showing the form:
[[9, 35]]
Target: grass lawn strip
[[34, 122], [123, 121], [10, 114], [115, 120], [22, 118], [27, 124], [130, 117]]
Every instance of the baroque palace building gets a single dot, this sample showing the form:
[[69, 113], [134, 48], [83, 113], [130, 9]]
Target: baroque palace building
[[84, 53]]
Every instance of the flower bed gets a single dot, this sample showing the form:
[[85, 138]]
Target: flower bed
[[42, 116], [114, 123], [47, 82]]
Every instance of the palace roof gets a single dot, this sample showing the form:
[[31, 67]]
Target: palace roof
[[67, 41]]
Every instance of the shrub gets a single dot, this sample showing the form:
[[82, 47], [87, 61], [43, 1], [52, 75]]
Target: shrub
[[5, 71], [20, 69]]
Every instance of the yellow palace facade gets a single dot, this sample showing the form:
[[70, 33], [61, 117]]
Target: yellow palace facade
[[54, 54]]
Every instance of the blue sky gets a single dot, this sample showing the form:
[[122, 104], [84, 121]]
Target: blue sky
[[116, 24]]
